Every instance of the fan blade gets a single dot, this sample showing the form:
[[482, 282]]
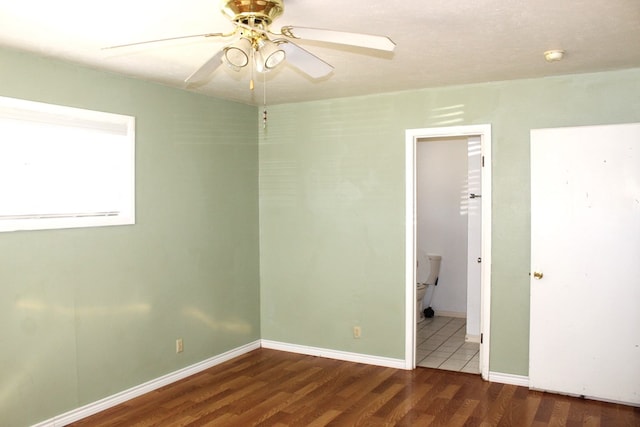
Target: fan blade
[[340, 37], [304, 60], [206, 68], [168, 39]]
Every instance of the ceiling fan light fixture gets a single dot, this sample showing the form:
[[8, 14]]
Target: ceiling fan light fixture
[[237, 54], [244, 10], [252, 45], [271, 55]]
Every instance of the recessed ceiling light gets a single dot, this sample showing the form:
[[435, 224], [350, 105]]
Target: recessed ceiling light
[[554, 55]]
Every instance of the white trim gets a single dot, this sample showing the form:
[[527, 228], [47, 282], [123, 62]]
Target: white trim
[[485, 289], [410, 251], [472, 338], [411, 136], [499, 377], [451, 314], [335, 354], [118, 398]]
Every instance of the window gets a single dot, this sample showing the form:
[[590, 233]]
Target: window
[[63, 167]]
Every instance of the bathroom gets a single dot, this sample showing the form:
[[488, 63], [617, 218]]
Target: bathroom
[[448, 225]]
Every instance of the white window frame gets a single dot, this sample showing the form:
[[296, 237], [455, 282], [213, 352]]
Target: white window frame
[[94, 153]]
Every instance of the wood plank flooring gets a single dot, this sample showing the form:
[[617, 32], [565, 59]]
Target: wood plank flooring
[[272, 388]]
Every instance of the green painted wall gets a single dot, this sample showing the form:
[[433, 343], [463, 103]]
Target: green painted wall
[[87, 313], [332, 185]]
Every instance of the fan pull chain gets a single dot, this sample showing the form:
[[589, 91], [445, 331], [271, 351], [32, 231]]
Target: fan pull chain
[[264, 112]]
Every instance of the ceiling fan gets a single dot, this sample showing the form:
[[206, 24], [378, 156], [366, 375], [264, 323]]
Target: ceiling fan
[[256, 46]]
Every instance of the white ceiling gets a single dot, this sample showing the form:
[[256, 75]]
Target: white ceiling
[[439, 42]]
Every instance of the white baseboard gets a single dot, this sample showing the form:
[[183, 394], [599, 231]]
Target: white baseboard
[[451, 314], [499, 377], [116, 399], [472, 338], [335, 354]]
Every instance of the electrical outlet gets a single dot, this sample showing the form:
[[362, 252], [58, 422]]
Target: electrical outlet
[[357, 332], [179, 346]]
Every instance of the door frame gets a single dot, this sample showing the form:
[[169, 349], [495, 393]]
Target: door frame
[[411, 138]]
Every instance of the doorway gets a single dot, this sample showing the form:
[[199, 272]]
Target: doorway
[[476, 137], [448, 226]]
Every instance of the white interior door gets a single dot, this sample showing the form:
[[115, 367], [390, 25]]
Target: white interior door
[[585, 254], [474, 237]]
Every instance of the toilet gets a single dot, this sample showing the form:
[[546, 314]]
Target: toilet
[[421, 291], [421, 288]]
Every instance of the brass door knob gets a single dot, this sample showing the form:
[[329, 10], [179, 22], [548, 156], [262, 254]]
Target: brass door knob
[[537, 275]]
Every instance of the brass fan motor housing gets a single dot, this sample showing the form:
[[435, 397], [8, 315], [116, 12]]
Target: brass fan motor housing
[[242, 11]]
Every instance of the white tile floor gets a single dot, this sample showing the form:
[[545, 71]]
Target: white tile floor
[[440, 344]]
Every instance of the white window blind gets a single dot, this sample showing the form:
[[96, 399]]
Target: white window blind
[[64, 167]]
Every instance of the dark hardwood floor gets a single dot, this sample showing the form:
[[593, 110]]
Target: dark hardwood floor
[[272, 388]]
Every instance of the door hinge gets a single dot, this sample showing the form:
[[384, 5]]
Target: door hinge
[[482, 161], [481, 338]]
